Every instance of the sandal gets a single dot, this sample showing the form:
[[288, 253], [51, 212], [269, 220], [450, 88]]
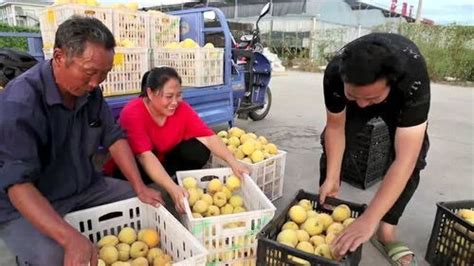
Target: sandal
[[393, 252]]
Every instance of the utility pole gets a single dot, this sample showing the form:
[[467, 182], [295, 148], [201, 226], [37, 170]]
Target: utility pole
[[418, 11]]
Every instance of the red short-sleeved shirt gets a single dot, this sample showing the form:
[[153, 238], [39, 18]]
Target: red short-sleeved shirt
[[144, 134]]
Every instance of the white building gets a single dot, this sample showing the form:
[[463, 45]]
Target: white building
[[21, 12]]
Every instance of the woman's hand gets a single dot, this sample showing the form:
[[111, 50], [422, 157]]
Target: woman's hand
[[329, 188], [239, 169], [178, 194], [150, 196]]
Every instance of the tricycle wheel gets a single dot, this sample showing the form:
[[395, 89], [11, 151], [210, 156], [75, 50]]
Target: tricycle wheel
[[262, 113]]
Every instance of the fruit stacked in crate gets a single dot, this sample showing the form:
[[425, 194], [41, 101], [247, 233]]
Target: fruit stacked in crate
[[265, 162], [197, 66], [304, 232], [130, 232], [225, 214], [164, 29], [452, 237], [138, 248]]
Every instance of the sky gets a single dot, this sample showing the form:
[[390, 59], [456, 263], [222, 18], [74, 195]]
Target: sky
[[441, 11]]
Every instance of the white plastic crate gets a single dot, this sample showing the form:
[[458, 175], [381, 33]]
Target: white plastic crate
[[269, 174], [198, 67], [131, 26], [164, 29], [228, 245], [125, 77], [53, 16], [94, 223]]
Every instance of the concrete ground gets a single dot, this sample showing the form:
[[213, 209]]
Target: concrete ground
[[297, 118]]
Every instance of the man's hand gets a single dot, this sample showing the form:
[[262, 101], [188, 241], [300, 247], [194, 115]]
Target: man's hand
[[329, 188], [78, 250], [239, 169], [178, 194], [354, 235], [150, 196]]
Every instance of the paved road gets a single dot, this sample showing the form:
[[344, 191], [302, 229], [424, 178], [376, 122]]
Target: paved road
[[297, 119]]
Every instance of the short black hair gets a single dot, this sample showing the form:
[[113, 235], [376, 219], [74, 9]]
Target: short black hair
[[75, 32], [157, 77], [364, 62]]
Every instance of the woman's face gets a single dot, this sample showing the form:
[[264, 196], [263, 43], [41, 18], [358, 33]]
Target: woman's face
[[165, 101]]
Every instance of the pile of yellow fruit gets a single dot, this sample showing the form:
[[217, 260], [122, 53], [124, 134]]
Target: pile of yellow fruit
[[247, 147], [187, 43], [132, 249], [219, 198], [313, 232], [130, 6]]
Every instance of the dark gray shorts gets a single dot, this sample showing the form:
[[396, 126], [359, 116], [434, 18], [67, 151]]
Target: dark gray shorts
[[33, 248]]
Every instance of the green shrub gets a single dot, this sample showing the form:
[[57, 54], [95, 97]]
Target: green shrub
[[18, 43]]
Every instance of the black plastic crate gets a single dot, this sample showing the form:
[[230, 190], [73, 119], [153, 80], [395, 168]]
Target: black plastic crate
[[270, 252], [452, 238], [367, 157]]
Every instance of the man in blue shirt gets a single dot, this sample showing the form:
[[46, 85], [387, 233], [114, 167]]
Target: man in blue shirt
[[52, 120]]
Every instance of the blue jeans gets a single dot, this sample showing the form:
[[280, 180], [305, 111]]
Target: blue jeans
[[33, 248]]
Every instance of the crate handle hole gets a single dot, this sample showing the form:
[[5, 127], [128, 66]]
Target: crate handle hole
[[110, 216]]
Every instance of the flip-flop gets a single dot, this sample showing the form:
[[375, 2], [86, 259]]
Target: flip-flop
[[393, 252]]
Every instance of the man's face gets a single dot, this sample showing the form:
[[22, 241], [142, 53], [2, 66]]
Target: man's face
[[81, 74], [367, 95]]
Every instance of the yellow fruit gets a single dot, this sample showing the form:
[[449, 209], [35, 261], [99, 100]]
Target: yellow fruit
[[236, 201], [248, 147], [214, 186], [288, 236], [132, 6], [149, 236], [299, 261], [323, 250], [341, 212], [306, 204], [225, 141], [317, 240], [227, 209], [164, 260], [109, 240], [213, 210], [189, 182], [257, 156], [127, 235], [127, 43], [313, 226], [271, 148], [290, 225], [200, 191], [172, 45], [231, 148], [236, 132], [222, 134], [259, 146], [297, 214], [153, 253], [302, 235], [188, 43], [220, 199], [232, 183], [311, 213], [138, 249], [466, 214], [200, 206], [101, 263], [109, 254], [252, 136], [92, 3], [197, 215], [141, 261], [209, 45], [208, 199], [239, 209], [335, 228], [124, 251], [227, 192], [262, 140], [325, 219], [193, 196], [305, 246], [348, 221], [234, 141], [247, 160], [329, 238], [238, 154]]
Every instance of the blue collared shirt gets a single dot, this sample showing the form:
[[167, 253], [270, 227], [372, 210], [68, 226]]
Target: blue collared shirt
[[43, 142]]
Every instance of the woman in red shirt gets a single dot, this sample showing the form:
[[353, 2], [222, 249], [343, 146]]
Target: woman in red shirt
[[166, 134]]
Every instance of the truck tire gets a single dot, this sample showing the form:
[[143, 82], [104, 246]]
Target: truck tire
[[262, 113]]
